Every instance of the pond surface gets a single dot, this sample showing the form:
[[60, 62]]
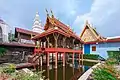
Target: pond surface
[[69, 72]]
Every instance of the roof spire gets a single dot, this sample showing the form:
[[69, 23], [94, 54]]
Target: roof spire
[[47, 12], [37, 25], [52, 14]]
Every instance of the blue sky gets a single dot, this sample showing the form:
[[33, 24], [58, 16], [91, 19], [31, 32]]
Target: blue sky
[[104, 15]]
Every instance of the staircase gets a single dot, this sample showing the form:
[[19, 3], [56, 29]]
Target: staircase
[[34, 59]]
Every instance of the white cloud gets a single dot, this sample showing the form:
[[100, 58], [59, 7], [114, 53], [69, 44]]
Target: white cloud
[[101, 15]]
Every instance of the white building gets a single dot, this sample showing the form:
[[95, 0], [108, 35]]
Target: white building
[[37, 25], [4, 30]]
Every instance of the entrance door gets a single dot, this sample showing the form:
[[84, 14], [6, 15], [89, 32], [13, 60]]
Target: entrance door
[[87, 48]]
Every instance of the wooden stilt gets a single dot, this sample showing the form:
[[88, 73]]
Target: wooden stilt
[[73, 58], [82, 59], [47, 58], [56, 60], [79, 59], [41, 63], [63, 59]]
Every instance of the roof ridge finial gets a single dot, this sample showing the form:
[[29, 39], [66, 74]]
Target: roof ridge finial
[[87, 22], [47, 12], [52, 13]]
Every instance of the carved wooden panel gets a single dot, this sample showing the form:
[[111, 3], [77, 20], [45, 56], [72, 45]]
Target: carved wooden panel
[[88, 36]]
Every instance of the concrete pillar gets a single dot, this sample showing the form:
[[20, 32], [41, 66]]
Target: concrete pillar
[[56, 59], [63, 59], [47, 58]]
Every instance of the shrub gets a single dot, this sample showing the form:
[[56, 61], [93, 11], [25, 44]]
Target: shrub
[[24, 76], [9, 69], [91, 56], [2, 51], [102, 74], [106, 71], [114, 54]]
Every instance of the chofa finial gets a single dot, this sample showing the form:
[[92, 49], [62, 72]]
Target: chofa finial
[[47, 12], [87, 22], [52, 14]]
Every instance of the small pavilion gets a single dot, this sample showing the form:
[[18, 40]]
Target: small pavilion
[[57, 38]]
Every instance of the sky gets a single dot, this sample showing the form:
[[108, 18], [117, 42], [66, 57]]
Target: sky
[[104, 15]]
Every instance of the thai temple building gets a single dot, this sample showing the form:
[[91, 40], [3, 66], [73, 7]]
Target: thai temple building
[[4, 30], [94, 43], [22, 45], [57, 39]]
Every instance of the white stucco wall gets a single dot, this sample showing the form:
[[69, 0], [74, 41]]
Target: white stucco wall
[[5, 31], [102, 48]]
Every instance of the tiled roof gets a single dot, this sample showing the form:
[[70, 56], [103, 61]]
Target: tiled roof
[[50, 32], [62, 28], [105, 40], [25, 31], [17, 44]]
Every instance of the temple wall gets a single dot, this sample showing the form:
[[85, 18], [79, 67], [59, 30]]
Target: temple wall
[[16, 55], [102, 48]]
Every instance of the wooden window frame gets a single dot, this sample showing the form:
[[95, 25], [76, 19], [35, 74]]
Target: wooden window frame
[[93, 48]]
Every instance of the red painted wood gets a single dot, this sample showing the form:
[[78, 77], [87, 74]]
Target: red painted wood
[[58, 50]]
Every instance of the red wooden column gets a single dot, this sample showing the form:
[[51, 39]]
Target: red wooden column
[[56, 59], [79, 59], [63, 59], [41, 63], [73, 58], [82, 58], [48, 58]]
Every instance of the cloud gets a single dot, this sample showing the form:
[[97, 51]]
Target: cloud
[[104, 15], [22, 12]]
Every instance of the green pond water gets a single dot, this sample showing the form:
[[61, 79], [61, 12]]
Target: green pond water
[[69, 72]]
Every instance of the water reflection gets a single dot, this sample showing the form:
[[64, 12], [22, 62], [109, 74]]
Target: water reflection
[[68, 72], [55, 74], [63, 72], [48, 72]]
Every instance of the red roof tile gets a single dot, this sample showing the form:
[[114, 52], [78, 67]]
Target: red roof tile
[[105, 40], [64, 28], [50, 31], [17, 44], [26, 31]]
